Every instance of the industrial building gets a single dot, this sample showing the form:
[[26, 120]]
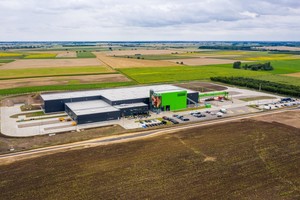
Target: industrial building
[[111, 104]]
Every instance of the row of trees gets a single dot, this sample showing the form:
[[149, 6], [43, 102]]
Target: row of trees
[[228, 47], [254, 67], [279, 88]]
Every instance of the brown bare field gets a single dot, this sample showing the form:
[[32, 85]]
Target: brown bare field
[[62, 80], [66, 54], [40, 63], [293, 75], [288, 118], [201, 86], [202, 61], [143, 52], [282, 48], [239, 160], [115, 62]]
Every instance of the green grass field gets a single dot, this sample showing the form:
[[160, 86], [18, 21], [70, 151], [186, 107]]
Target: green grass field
[[285, 66], [52, 71], [86, 54], [280, 79], [6, 60], [69, 87], [185, 73]]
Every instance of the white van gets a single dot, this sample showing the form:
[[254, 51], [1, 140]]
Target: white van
[[223, 110], [219, 114]]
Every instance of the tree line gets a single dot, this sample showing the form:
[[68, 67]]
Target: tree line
[[220, 47], [279, 88], [254, 67]]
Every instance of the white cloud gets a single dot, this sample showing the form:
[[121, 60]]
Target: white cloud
[[149, 20]]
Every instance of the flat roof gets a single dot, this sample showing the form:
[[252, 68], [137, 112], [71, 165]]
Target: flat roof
[[115, 94], [90, 107], [95, 110], [132, 105], [87, 105]]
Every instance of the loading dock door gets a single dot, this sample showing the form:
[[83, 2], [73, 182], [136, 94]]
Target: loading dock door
[[168, 108]]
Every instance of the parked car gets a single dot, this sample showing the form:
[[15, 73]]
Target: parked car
[[185, 119], [219, 114], [174, 121], [223, 110]]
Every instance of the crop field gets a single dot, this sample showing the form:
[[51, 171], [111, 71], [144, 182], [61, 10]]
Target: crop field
[[157, 57], [40, 56], [202, 61], [143, 52], [185, 73], [297, 75], [116, 62], [85, 54], [6, 61], [245, 55], [10, 55], [52, 71], [68, 87], [284, 79], [238, 160], [62, 80], [288, 118], [41, 63], [66, 54]]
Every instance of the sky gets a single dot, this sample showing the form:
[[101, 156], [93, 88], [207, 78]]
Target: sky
[[149, 20]]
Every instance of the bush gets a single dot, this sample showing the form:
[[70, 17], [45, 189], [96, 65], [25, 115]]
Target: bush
[[254, 67]]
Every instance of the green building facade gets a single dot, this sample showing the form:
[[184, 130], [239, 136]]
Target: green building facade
[[168, 100]]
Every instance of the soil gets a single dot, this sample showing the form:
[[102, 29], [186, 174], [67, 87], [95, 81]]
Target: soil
[[291, 118], [241, 160], [40, 63], [202, 61], [115, 62], [201, 86], [67, 54], [143, 52], [22, 99], [62, 80], [297, 75]]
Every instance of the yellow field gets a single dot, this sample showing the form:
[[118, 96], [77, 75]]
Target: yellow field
[[4, 54], [41, 55]]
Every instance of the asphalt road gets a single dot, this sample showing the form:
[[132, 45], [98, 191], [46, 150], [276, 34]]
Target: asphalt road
[[132, 136]]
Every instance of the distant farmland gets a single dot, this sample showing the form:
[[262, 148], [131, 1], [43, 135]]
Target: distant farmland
[[240, 160], [184, 73]]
